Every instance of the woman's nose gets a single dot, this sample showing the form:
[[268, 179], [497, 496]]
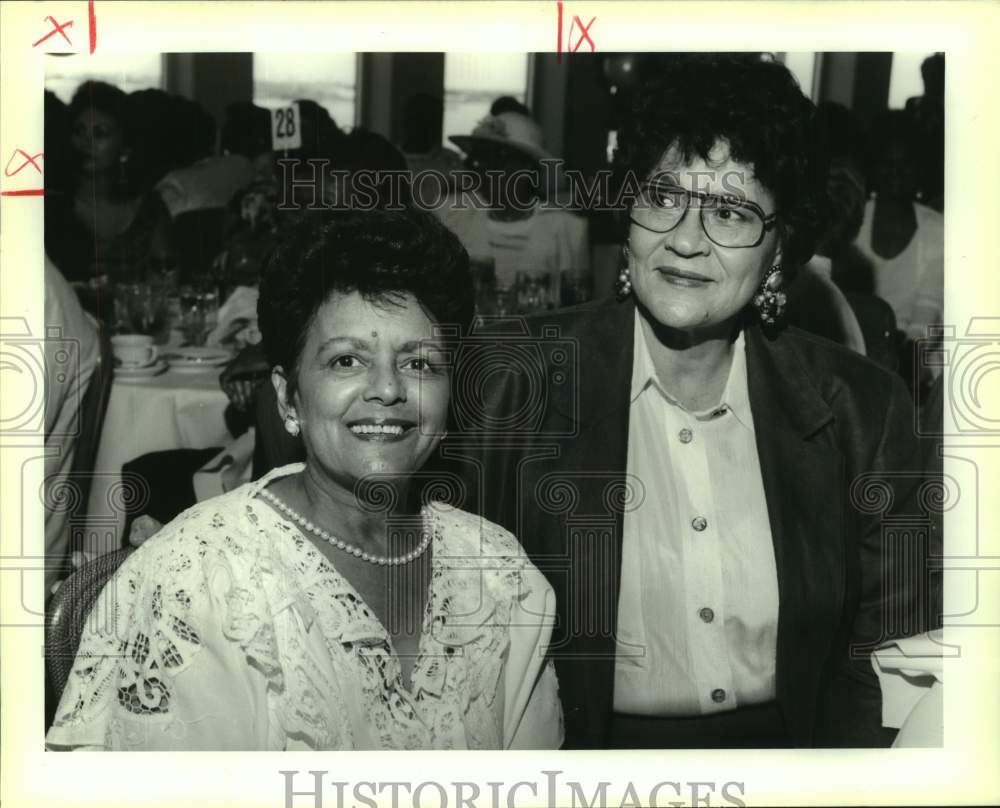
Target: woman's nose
[[385, 386], [688, 237]]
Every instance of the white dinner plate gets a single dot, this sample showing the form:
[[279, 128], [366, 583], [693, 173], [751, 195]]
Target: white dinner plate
[[195, 359], [144, 372]]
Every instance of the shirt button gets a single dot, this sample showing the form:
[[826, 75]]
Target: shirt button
[[699, 523], [718, 695], [686, 435], [706, 614]]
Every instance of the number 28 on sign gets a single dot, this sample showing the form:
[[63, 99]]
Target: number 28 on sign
[[286, 132]]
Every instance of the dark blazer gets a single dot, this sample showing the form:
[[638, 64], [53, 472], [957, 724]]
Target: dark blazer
[[835, 435]]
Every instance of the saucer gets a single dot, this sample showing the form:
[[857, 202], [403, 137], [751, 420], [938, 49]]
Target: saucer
[[143, 372], [196, 359]]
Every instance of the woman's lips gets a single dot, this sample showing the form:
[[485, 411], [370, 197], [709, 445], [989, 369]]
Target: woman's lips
[[387, 431], [683, 277]]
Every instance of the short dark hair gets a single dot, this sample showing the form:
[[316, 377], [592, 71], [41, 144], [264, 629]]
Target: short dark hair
[[246, 130], [381, 254], [106, 98], [756, 106]]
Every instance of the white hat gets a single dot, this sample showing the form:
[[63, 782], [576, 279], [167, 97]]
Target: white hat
[[512, 129]]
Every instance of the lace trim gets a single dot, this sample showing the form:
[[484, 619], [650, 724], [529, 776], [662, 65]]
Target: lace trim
[[147, 639]]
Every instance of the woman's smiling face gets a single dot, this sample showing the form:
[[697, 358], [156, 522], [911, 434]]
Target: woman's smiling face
[[682, 278], [372, 389]]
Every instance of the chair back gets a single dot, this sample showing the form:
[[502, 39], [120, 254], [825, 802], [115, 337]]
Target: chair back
[[67, 613], [93, 406]]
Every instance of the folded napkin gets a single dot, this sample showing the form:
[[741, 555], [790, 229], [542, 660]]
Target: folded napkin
[[910, 672], [237, 319], [227, 470]]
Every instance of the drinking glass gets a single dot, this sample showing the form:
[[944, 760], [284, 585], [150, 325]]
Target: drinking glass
[[199, 313]]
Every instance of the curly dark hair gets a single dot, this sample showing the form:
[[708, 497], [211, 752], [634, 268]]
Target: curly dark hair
[[382, 254], [753, 104]]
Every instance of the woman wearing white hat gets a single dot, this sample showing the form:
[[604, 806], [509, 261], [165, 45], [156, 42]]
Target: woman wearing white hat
[[514, 240]]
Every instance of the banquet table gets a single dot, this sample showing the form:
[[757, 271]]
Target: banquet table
[[177, 409]]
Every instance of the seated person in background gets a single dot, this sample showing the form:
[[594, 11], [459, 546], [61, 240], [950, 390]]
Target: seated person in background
[[332, 604], [108, 228], [211, 181], [902, 240], [70, 361], [815, 302], [508, 234]]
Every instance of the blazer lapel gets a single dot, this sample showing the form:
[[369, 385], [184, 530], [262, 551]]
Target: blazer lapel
[[594, 461], [802, 470]]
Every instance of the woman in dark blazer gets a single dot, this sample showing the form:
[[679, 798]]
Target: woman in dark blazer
[[723, 506]]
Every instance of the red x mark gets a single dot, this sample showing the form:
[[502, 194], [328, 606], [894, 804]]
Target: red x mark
[[28, 160], [584, 33], [56, 29]]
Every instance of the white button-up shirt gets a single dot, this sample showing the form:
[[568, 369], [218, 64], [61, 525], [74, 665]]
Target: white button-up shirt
[[698, 607]]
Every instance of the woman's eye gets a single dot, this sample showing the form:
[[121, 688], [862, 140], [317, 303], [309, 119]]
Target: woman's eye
[[729, 214], [419, 364], [345, 362]]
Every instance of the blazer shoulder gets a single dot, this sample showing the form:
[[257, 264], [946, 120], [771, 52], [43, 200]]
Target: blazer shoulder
[[836, 369]]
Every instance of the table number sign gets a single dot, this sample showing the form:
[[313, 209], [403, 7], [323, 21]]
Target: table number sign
[[286, 132]]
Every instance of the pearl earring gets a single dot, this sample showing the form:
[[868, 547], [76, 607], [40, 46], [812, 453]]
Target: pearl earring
[[291, 426], [623, 286]]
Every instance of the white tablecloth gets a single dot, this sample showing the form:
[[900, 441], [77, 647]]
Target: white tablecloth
[[174, 410]]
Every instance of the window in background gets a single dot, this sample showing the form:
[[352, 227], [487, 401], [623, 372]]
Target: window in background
[[473, 81], [904, 80], [802, 65], [127, 71], [329, 79]]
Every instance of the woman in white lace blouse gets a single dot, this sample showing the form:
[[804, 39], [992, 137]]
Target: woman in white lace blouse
[[331, 604]]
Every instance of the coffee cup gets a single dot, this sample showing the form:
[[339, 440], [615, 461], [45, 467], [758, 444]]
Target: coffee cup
[[133, 350]]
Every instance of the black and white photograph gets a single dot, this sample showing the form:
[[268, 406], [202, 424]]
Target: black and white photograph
[[433, 399]]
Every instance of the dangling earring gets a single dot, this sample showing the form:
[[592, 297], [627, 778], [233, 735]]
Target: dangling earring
[[770, 300], [291, 426], [623, 286]]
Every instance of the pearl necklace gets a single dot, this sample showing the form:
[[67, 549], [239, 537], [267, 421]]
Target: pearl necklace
[[299, 519]]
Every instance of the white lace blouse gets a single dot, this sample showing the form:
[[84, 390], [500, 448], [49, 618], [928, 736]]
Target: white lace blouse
[[229, 630]]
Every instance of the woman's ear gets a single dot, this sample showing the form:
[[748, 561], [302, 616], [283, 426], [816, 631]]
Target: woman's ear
[[777, 260], [279, 381]]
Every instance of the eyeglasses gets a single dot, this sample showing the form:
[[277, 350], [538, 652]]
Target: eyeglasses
[[727, 220]]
